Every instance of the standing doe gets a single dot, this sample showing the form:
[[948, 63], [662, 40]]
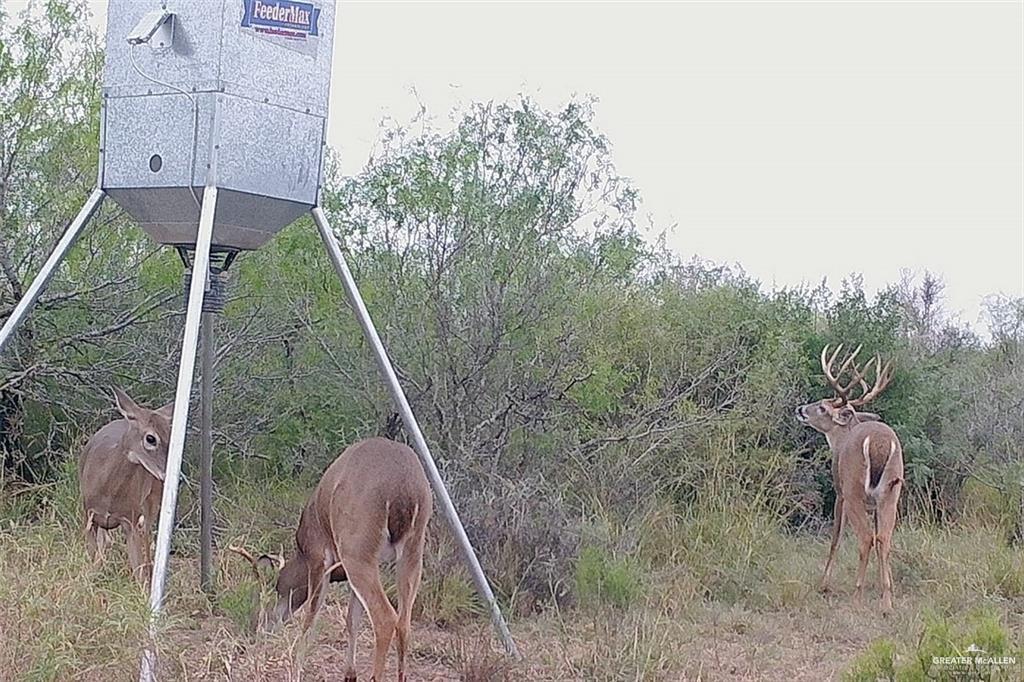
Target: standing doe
[[121, 477], [372, 504], [867, 465]]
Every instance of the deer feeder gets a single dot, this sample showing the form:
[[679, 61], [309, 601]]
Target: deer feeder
[[238, 91], [212, 137]]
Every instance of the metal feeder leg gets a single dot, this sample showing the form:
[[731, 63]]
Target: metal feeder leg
[[206, 456], [176, 448], [419, 443]]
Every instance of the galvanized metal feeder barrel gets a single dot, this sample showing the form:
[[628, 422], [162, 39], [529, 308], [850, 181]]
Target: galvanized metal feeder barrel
[[233, 88]]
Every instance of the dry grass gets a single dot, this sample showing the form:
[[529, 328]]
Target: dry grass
[[714, 598], [475, 658]]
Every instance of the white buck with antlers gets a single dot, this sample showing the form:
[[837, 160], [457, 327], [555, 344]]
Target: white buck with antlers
[[867, 464], [372, 504], [121, 479]]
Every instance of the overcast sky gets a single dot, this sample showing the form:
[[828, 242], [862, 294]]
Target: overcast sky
[[800, 140]]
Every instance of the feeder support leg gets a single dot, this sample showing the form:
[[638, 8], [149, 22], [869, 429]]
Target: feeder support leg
[[35, 289], [206, 456], [176, 447], [355, 299]]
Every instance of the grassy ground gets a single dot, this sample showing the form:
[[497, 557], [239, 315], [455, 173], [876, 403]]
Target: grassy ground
[[709, 598]]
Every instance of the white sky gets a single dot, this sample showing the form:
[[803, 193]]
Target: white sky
[[799, 140]]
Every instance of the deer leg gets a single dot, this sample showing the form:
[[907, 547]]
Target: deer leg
[[837, 530], [92, 539], [102, 539], [365, 581], [145, 537], [863, 527], [138, 550], [352, 622], [875, 515], [886, 524], [409, 570]]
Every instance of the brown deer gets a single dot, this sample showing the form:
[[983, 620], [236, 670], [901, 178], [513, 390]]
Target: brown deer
[[371, 505], [867, 465], [121, 477]]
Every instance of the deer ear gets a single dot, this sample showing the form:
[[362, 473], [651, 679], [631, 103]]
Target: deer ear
[[128, 408], [868, 417], [167, 411], [271, 564], [147, 462], [843, 416]]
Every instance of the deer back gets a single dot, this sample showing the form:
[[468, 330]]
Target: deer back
[[866, 452], [374, 493]]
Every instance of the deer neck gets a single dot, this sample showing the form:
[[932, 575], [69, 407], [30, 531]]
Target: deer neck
[[838, 435]]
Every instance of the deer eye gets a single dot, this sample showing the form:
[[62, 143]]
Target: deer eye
[[150, 440], [821, 409]]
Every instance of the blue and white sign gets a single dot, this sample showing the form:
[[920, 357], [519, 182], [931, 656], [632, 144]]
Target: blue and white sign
[[289, 23]]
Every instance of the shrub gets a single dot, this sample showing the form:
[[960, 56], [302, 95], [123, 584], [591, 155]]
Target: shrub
[[602, 579], [979, 635], [448, 600]]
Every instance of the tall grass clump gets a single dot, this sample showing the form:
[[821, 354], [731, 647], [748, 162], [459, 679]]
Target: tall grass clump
[[61, 618], [729, 532]]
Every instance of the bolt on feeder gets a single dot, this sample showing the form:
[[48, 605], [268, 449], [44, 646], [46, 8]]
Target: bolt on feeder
[[212, 137]]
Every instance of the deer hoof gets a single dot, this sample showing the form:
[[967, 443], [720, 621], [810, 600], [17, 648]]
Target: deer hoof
[[350, 678]]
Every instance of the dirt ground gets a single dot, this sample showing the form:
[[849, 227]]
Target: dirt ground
[[214, 652], [811, 643], [55, 625]]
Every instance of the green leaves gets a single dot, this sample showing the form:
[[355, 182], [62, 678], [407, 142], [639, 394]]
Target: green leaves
[[539, 332]]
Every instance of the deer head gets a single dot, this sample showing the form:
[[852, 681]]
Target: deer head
[[290, 584], [145, 440], [839, 411]]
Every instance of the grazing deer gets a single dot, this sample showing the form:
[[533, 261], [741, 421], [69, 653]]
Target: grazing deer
[[372, 504], [121, 477], [867, 465]]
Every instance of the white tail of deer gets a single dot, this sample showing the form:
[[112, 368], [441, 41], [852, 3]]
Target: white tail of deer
[[867, 464], [372, 504], [121, 478]]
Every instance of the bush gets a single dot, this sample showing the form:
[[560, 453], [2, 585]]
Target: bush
[[979, 635], [602, 579], [448, 599]]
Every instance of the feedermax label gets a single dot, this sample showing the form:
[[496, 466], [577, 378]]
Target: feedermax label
[[289, 23]]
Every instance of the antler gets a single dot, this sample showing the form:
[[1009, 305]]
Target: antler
[[244, 553], [883, 375], [842, 392]]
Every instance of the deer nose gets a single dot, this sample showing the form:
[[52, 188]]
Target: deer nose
[[800, 414]]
